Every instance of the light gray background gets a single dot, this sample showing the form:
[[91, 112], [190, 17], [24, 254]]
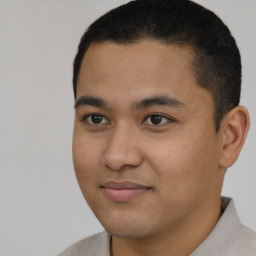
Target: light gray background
[[41, 208]]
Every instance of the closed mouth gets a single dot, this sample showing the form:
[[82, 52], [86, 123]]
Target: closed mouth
[[123, 191]]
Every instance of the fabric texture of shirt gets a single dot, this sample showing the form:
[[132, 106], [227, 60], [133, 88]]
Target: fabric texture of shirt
[[228, 238]]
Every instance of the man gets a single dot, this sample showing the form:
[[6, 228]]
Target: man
[[158, 122]]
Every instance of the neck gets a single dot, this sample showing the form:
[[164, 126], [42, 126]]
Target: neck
[[179, 240]]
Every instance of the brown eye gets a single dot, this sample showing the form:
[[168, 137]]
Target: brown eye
[[95, 119], [157, 120]]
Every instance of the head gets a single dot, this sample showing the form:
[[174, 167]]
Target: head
[[216, 63], [157, 85]]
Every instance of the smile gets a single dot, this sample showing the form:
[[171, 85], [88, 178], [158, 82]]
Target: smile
[[123, 191]]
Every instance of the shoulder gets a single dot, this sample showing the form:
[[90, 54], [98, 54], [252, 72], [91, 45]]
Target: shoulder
[[248, 241], [94, 245]]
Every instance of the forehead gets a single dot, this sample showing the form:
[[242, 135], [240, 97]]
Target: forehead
[[145, 55], [138, 70]]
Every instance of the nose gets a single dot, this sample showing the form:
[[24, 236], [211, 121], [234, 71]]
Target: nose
[[122, 150]]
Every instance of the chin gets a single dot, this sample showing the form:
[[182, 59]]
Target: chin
[[128, 227], [127, 233]]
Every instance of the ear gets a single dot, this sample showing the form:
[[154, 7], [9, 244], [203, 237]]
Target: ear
[[234, 129]]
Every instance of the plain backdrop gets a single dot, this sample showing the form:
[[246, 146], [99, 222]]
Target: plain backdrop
[[42, 210]]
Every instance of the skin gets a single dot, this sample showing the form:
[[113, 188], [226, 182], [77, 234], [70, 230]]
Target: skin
[[181, 160]]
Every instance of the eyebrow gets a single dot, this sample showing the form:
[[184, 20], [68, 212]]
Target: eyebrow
[[158, 100], [91, 101]]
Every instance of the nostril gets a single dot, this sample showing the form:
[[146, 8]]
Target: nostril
[[121, 160], [122, 150]]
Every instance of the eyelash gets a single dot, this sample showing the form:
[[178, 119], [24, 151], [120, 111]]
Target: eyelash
[[85, 118], [167, 119]]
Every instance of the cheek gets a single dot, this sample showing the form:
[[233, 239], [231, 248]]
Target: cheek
[[86, 166], [86, 157], [184, 164]]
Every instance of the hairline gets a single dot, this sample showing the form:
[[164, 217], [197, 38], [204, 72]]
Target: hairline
[[195, 58]]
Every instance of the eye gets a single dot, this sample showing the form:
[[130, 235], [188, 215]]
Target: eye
[[95, 119], [157, 120]]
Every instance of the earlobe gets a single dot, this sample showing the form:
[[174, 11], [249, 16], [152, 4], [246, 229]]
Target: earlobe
[[234, 129]]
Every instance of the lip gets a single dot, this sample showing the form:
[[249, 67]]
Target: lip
[[123, 191]]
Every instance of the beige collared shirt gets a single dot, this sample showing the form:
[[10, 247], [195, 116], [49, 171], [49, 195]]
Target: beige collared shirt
[[228, 238]]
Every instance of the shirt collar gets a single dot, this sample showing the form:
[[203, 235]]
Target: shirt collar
[[226, 234], [223, 239]]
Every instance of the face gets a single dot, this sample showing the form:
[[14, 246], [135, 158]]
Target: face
[[145, 150]]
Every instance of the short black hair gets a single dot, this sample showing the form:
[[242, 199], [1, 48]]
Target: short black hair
[[216, 63]]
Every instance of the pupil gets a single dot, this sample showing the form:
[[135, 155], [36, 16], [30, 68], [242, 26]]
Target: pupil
[[156, 119], [96, 119]]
